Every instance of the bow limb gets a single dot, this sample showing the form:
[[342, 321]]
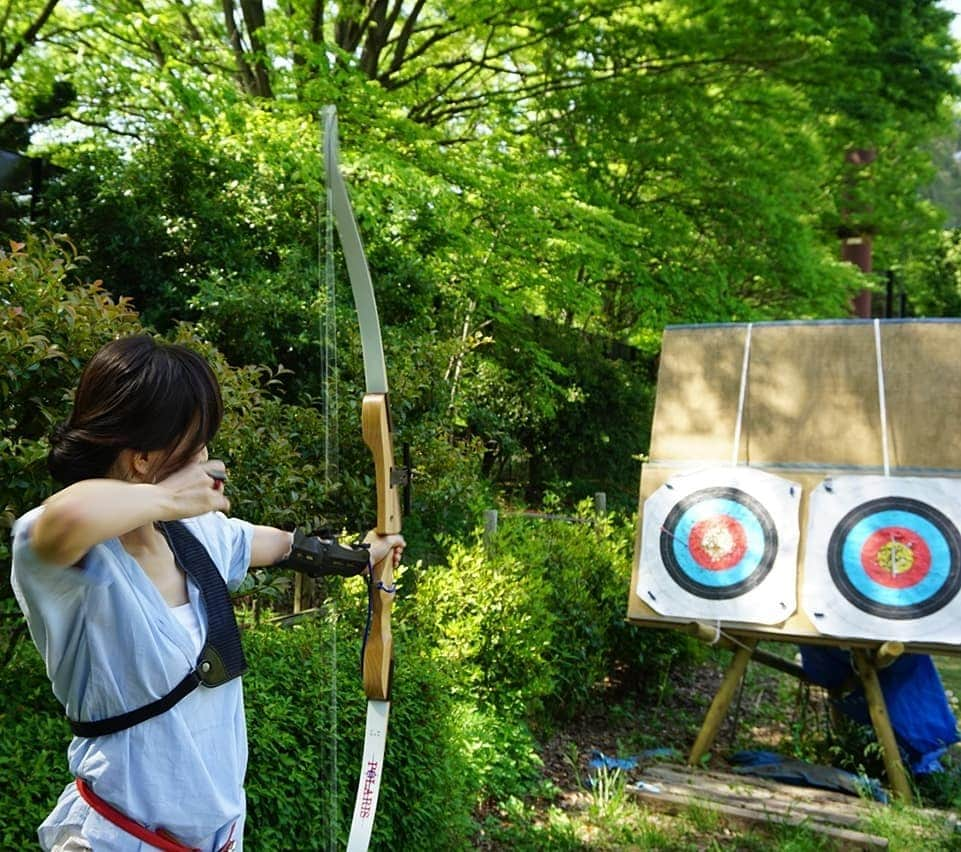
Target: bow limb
[[376, 424]]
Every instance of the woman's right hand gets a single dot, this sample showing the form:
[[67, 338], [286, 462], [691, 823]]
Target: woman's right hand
[[197, 488]]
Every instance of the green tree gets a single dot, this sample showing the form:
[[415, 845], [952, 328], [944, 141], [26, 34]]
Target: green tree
[[606, 168]]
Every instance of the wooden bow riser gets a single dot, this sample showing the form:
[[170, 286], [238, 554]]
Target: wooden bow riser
[[379, 650]]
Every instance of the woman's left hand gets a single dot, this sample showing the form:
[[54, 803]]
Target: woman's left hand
[[382, 545]]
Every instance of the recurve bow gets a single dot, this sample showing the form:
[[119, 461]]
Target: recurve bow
[[377, 666]]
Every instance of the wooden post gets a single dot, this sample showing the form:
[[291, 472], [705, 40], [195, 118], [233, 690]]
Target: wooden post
[[897, 776], [600, 503], [490, 526], [298, 592], [725, 694]]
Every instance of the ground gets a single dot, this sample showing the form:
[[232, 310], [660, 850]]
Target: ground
[[625, 724], [772, 712]]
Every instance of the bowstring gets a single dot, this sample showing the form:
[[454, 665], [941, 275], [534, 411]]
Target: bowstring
[[328, 336]]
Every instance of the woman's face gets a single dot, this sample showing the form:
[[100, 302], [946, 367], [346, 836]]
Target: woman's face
[[155, 465], [169, 462]]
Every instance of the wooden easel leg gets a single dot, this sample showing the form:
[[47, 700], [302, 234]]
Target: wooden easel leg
[[897, 775], [725, 694]]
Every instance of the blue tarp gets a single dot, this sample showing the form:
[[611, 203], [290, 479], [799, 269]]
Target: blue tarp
[[921, 717], [769, 764], [599, 760]]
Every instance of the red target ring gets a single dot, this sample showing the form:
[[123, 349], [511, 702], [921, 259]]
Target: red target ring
[[896, 557], [718, 543]]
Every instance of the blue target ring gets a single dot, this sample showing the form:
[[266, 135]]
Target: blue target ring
[[928, 590], [744, 537]]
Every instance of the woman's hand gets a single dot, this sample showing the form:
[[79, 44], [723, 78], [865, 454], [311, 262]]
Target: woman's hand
[[197, 488], [382, 545]]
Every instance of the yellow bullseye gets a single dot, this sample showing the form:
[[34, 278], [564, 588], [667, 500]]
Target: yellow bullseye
[[717, 541], [895, 558]]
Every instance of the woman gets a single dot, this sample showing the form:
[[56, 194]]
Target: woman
[[128, 614]]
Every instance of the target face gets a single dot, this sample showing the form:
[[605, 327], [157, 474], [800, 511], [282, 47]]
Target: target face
[[883, 558], [721, 544], [896, 557], [718, 543]]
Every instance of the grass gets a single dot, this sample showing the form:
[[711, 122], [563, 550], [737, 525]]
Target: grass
[[950, 669]]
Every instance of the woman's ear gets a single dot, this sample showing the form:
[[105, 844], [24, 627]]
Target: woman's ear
[[135, 465]]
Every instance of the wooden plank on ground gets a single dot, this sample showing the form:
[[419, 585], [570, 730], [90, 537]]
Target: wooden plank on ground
[[675, 803], [841, 804], [747, 799], [743, 792], [829, 800]]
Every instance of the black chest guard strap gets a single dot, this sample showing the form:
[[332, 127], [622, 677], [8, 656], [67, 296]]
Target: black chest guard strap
[[222, 657]]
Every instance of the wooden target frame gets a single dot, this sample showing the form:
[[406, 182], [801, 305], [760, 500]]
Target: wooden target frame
[[810, 411], [808, 406]]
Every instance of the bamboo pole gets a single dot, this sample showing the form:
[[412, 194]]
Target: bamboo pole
[[887, 654], [709, 635]]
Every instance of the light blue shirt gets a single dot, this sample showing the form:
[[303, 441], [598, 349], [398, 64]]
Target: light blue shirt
[[111, 644]]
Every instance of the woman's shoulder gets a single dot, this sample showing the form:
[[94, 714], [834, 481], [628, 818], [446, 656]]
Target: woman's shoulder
[[29, 568], [228, 541], [213, 525], [22, 525], [220, 532]]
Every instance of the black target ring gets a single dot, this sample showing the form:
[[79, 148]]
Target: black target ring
[[754, 547], [849, 551]]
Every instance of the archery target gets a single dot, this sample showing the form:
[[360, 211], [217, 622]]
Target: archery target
[[883, 558], [721, 544]]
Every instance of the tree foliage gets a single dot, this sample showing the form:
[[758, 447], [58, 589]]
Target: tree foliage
[[603, 167]]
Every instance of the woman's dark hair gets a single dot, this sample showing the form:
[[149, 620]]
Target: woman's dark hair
[[136, 393]]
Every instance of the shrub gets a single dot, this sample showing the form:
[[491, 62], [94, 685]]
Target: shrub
[[51, 326], [303, 736], [33, 748], [535, 620]]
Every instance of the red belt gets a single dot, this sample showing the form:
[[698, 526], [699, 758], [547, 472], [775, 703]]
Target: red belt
[[157, 839]]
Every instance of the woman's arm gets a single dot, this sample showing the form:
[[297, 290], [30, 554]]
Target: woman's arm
[[94, 510], [270, 545]]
